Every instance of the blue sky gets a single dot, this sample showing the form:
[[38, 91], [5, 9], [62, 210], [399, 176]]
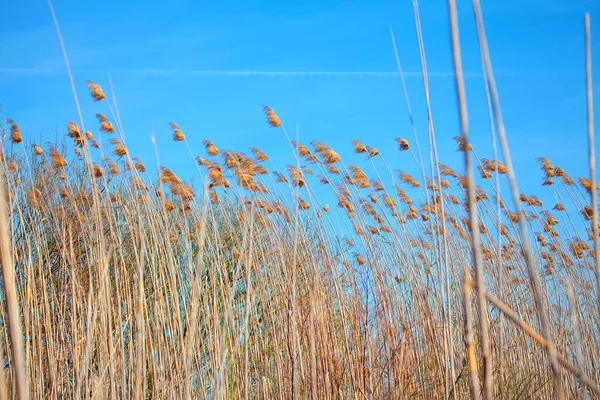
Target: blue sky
[[328, 66]]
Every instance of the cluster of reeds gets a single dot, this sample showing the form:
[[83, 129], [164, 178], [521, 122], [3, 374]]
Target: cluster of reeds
[[323, 279]]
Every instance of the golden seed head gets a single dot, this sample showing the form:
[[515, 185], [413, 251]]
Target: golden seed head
[[211, 149], [462, 144], [358, 147], [15, 132], [272, 118], [178, 135], [95, 91], [403, 143]]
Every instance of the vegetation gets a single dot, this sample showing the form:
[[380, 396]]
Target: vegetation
[[324, 280]]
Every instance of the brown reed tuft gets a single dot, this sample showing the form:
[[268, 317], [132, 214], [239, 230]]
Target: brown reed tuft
[[272, 118], [118, 147], [214, 197], [401, 194], [57, 159], [327, 153], [105, 124], [303, 204], [408, 179], [403, 143], [485, 174], [358, 146], [259, 156], [211, 149], [360, 260], [462, 145], [15, 132], [302, 149], [178, 135], [359, 176], [296, 176], [446, 170], [586, 184], [98, 171], [96, 91], [372, 151], [113, 168]]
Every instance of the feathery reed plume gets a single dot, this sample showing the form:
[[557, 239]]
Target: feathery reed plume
[[57, 159], [408, 179], [169, 206], [182, 190], [302, 149], [307, 170], [332, 169], [214, 197], [586, 184], [502, 169], [348, 179], [358, 229], [359, 176], [567, 180], [303, 204], [446, 170], [96, 91], [358, 146], [372, 151], [37, 150], [105, 124], [15, 132], [272, 118], [376, 185], [259, 155], [279, 178], [211, 149], [296, 176], [139, 165], [204, 162], [488, 164], [98, 171], [118, 147], [402, 195], [178, 135], [360, 260], [453, 199], [403, 143], [462, 145], [547, 167], [167, 176], [113, 168], [548, 182], [327, 153], [587, 212]]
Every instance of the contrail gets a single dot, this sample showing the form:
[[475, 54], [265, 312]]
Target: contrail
[[192, 72]]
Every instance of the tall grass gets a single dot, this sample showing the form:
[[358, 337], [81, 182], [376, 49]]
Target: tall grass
[[326, 279]]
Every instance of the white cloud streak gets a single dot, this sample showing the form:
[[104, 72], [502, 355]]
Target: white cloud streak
[[173, 72]]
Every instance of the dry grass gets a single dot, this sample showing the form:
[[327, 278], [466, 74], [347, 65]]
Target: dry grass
[[131, 286], [325, 279]]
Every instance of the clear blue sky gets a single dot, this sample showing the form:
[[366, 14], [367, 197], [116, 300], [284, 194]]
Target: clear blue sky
[[184, 61]]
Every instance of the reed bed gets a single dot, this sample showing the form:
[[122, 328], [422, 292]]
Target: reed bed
[[323, 279], [130, 284]]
